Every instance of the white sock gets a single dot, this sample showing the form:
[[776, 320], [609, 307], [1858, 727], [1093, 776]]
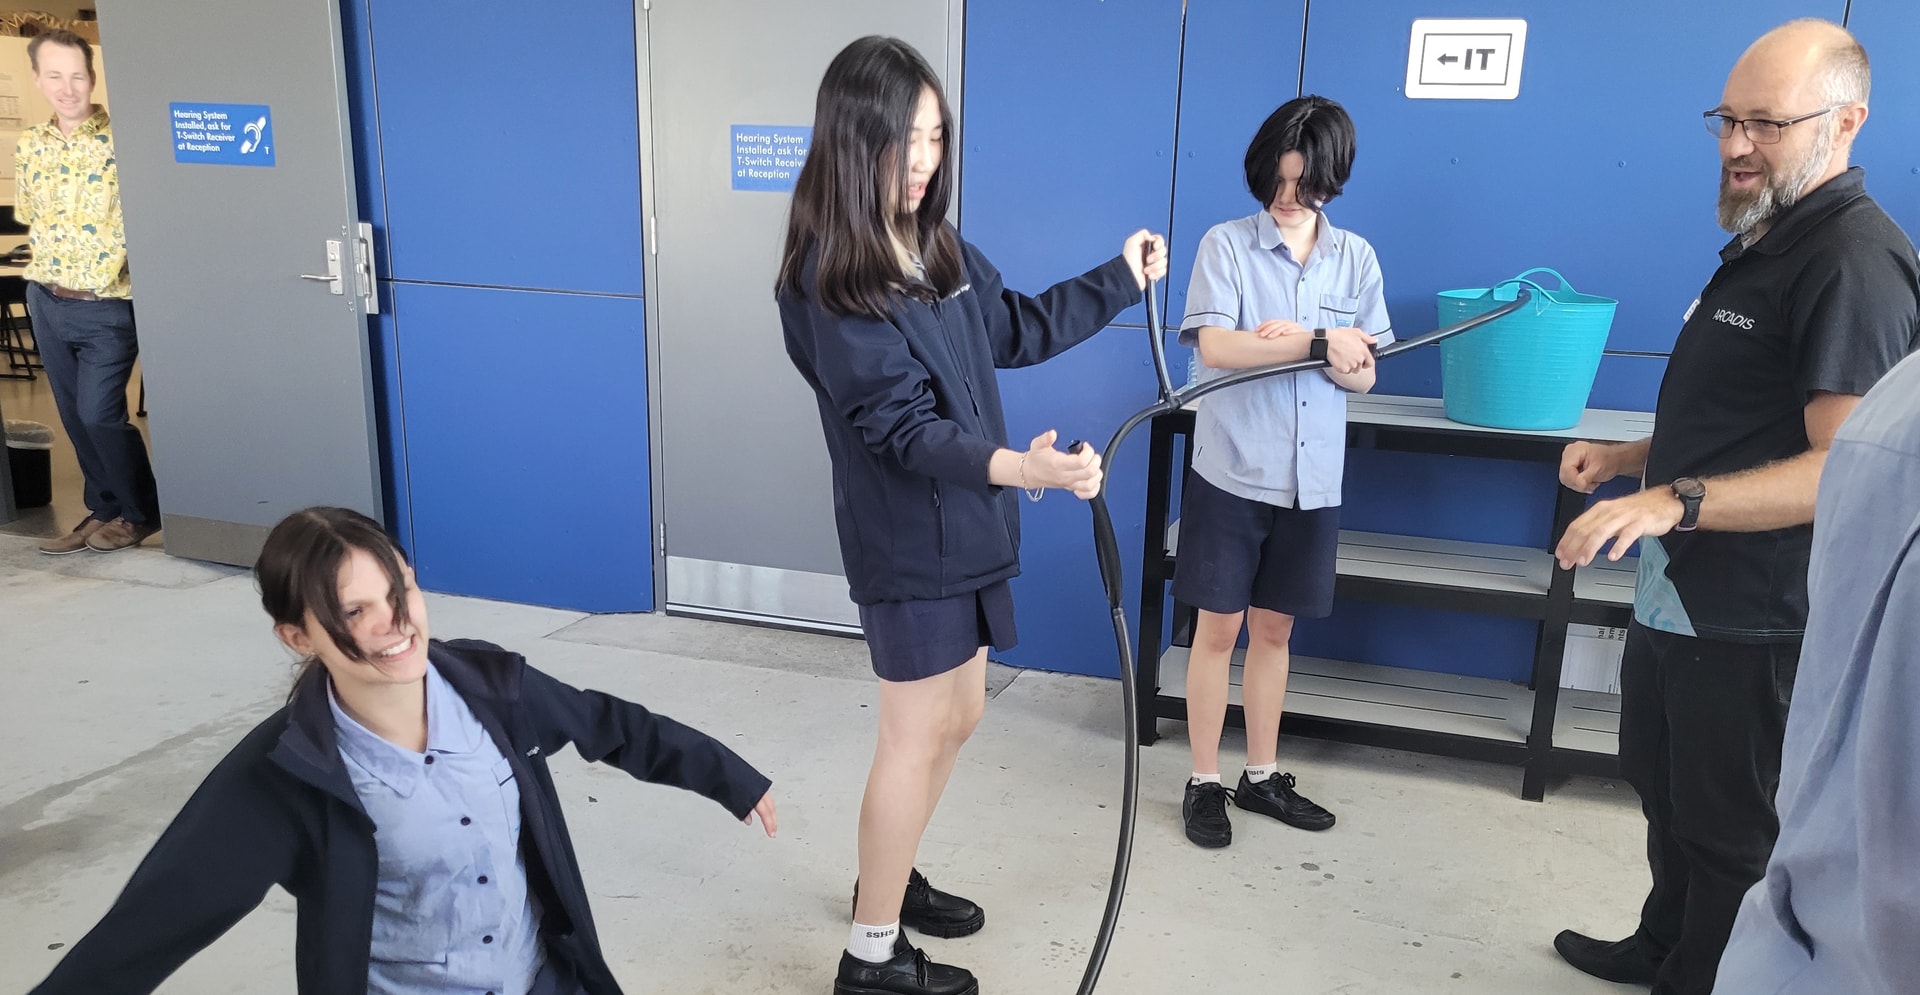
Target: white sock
[[873, 944], [1199, 778], [1262, 772]]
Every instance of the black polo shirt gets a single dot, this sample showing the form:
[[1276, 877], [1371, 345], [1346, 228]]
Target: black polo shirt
[[1827, 300]]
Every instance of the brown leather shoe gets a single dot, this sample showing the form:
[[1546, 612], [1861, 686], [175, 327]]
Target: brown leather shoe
[[75, 541], [119, 534]]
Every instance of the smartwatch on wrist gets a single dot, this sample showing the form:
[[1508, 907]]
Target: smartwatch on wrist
[[1317, 349], [1691, 492]]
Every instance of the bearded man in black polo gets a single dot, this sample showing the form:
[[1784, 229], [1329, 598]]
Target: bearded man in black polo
[[1816, 297]]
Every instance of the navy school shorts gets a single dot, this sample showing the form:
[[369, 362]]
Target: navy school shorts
[[1235, 553], [914, 640]]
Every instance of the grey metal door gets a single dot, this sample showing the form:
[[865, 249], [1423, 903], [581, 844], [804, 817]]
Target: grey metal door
[[231, 127], [746, 489]]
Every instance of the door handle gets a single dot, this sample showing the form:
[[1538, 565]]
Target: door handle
[[363, 267], [332, 276]]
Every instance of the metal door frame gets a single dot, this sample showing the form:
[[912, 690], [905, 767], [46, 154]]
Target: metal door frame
[[643, 62]]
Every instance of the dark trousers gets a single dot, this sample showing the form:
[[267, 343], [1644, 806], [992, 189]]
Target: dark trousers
[[1701, 723], [88, 348]]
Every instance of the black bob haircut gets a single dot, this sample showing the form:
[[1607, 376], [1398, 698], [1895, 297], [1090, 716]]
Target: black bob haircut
[[1317, 128]]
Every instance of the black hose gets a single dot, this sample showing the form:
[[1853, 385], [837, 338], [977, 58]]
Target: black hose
[[1159, 342], [1106, 547]]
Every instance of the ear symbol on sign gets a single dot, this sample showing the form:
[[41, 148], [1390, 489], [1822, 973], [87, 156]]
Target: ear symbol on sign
[[258, 129]]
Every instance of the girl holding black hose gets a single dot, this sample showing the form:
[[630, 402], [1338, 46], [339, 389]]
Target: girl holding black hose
[[898, 325]]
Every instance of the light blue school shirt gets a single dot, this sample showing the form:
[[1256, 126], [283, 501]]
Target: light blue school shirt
[[1283, 440], [451, 913]]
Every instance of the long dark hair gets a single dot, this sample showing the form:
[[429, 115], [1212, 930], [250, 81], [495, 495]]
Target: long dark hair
[[857, 166], [299, 572], [1317, 128]]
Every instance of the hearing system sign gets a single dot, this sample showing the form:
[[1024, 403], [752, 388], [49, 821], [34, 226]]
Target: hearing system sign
[[1465, 59], [769, 156], [222, 134]]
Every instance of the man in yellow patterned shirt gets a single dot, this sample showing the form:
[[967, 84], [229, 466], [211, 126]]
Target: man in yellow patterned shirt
[[67, 189]]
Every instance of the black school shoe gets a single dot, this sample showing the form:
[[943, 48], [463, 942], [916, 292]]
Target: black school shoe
[[935, 912], [1205, 812], [908, 973], [1621, 961], [1275, 797]]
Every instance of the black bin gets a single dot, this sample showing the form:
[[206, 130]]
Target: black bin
[[30, 458]]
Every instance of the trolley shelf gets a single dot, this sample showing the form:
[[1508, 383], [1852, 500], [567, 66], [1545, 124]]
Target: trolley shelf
[[1445, 573], [1539, 725], [1363, 694]]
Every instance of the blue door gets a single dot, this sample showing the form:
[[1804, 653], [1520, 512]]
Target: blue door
[[512, 365]]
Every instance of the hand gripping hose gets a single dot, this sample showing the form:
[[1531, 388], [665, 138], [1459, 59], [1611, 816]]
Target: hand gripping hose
[[1107, 549]]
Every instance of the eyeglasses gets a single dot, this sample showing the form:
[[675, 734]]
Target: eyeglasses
[[1759, 130]]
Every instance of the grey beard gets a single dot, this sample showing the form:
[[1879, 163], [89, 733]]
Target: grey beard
[[1741, 219], [1771, 200]]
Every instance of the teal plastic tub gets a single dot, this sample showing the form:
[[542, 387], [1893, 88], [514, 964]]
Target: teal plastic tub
[[1532, 370]]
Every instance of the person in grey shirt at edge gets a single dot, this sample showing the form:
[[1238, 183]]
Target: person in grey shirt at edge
[[1839, 908]]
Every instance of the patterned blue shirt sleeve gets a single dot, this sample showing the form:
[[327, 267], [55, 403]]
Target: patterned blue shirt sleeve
[[1213, 292], [1371, 290]]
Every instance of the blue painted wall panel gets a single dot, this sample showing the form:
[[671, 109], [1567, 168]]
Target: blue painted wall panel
[[510, 145], [1068, 132], [1889, 144], [1628, 383], [1084, 394], [526, 414], [1420, 639], [1241, 60], [1600, 168], [1448, 497]]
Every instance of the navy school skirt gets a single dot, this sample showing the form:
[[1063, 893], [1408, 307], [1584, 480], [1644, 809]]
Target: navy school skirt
[[914, 640]]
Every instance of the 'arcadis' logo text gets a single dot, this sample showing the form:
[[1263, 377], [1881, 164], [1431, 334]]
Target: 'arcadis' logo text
[[1736, 320]]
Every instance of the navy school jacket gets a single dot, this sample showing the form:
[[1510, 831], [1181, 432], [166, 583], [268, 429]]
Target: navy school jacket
[[911, 409], [281, 809]]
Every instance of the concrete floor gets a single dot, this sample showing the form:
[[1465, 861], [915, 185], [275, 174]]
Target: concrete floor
[[130, 674]]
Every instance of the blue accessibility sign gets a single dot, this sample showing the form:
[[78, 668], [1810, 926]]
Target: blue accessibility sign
[[222, 134], [769, 156]]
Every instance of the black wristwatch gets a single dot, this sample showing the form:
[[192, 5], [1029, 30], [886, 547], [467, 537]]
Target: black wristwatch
[[1318, 348], [1690, 492]]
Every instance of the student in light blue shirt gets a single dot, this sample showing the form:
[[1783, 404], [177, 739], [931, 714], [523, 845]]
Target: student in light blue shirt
[[452, 908], [1260, 516], [402, 797]]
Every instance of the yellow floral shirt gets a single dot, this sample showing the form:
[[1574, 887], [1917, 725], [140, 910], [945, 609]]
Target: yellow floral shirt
[[67, 189]]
